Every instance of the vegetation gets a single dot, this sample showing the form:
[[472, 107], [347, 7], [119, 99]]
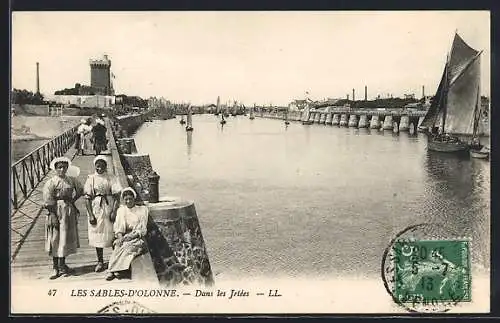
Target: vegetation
[[26, 97]]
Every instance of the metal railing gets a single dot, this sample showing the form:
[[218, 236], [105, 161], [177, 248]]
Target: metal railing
[[29, 171]]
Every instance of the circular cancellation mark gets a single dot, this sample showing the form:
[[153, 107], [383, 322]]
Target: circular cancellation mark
[[426, 271]]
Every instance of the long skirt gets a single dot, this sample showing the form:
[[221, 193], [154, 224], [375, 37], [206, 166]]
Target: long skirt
[[100, 144], [63, 241], [122, 257], [101, 235]]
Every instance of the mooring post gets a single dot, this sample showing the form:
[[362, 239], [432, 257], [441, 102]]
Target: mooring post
[[153, 180]]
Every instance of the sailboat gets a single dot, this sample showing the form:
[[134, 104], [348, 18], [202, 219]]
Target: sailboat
[[305, 118], [189, 125], [286, 117], [223, 121], [217, 111], [452, 112], [251, 112], [477, 150]]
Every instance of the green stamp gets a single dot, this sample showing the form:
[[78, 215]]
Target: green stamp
[[432, 271]]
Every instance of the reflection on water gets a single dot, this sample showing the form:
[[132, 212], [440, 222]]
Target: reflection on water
[[313, 200]]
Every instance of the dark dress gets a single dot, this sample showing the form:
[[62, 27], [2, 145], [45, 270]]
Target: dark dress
[[100, 141]]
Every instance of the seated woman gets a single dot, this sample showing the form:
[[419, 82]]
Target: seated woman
[[130, 228]]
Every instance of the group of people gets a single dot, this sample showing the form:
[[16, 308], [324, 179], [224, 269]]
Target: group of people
[[88, 133], [114, 219]]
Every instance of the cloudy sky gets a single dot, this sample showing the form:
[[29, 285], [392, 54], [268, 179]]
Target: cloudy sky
[[252, 57]]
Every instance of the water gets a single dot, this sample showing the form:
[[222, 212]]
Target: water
[[21, 148], [313, 200]]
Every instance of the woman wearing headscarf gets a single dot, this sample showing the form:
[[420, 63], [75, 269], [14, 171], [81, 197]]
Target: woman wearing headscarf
[[59, 195], [82, 139], [102, 200], [130, 230], [99, 137]]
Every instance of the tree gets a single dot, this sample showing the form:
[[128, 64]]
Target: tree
[[26, 97]]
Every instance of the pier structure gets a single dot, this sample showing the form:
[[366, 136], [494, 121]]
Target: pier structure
[[176, 250], [395, 120]]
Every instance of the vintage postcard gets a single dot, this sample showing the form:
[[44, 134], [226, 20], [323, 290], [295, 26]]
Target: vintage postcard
[[285, 162]]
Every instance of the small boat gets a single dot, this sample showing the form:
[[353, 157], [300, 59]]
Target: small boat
[[251, 112], [454, 110], [223, 121], [182, 121], [189, 126], [483, 153]]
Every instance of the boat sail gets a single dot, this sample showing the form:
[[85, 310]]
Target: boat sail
[[285, 117], [453, 110], [217, 109], [306, 114], [189, 125]]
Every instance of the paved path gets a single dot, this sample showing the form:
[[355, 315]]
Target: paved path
[[33, 263]]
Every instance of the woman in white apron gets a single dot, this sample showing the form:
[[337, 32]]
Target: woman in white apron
[[59, 196], [102, 192]]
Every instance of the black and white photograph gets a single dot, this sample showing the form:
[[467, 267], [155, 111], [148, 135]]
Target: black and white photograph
[[250, 162]]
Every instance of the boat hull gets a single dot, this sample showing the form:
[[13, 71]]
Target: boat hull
[[446, 147], [307, 122], [480, 153]]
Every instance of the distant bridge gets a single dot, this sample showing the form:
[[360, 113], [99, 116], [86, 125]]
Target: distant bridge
[[398, 120]]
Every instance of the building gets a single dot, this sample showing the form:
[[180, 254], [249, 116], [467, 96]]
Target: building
[[100, 76], [84, 101]]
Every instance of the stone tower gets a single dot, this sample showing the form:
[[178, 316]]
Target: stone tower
[[100, 76]]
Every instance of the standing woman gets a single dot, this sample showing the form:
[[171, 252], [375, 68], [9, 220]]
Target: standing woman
[[82, 139], [130, 230], [102, 200], [59, 196], [99, 135]]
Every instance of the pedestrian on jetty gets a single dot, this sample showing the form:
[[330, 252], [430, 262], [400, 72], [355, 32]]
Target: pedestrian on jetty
[[82, 132], [59, 195], [102, 192], [130, 230], [99, 137]]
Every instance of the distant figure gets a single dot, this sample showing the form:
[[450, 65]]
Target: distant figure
[[81, 142], [99, 136], [100, 119]]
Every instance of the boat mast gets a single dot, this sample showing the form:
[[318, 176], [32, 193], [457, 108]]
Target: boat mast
[[445, 93]]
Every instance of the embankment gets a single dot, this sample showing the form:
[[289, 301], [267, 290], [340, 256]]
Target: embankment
[[40, 127], [174, 238]]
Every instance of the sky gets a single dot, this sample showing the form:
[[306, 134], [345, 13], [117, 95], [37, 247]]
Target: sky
[[252, 57]]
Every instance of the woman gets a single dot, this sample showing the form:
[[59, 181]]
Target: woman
[[99, 137], [102, 200], [59, 196], [130, 229], [82, 132]]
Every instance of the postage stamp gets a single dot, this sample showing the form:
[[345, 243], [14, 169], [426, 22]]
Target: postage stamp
[[432, 271]]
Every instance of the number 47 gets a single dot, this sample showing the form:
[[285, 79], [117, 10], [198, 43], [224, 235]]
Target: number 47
[[52, 292]]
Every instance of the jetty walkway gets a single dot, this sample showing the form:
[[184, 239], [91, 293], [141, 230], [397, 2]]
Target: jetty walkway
[[29, 260]]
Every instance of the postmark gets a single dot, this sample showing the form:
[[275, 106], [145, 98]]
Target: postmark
[[426, 270], [125, 307]]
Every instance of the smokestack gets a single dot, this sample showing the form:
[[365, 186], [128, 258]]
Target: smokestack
[[423, 91], [347, 97], [353, 97], [37, 77], [366, 93]]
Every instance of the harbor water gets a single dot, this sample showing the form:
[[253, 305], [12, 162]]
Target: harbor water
[[313, 201]]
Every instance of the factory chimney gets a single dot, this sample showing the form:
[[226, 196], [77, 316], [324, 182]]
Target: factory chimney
[[423, 91], [353, 97], [366, 93], [37, 78]]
